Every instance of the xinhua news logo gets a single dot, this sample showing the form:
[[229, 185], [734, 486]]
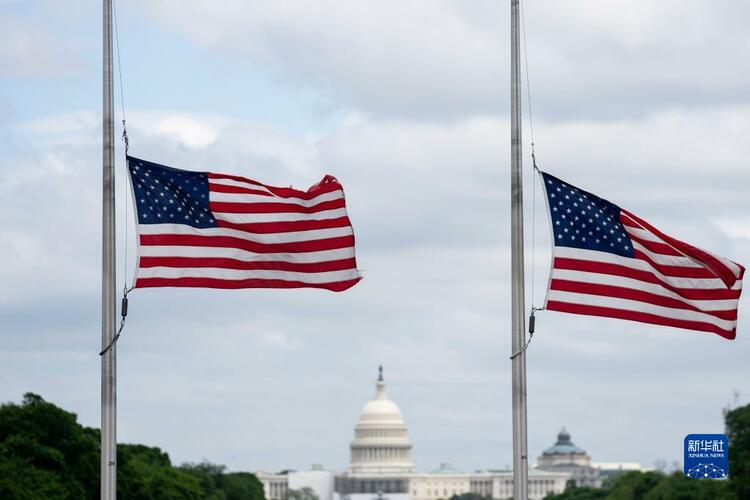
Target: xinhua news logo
[[706, 456]]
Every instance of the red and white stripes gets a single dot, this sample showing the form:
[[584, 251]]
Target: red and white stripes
[[266, 237], [668, 282]]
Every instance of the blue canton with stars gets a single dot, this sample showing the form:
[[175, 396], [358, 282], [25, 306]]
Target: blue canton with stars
[[583, 220], [168, 195]]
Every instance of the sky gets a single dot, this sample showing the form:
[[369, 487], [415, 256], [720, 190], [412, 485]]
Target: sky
[[407, 103]]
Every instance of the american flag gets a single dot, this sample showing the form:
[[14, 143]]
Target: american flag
[[609, 262], [201, 229]]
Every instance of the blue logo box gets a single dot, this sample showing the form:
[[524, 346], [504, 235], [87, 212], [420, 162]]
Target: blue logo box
[[706, 456]]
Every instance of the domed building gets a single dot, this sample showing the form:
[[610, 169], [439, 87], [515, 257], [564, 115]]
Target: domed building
[[380, 459], [381, 467], [564, 456], [380, 443]]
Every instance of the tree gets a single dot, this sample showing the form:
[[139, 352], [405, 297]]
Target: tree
[[737, 423], [146, 473], [301, 494], [678, 486], [45, 454], [576, 493], [242, 486], [469, 496]]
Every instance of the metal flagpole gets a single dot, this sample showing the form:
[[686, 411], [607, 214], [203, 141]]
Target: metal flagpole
[[518, 323], [108, 359]]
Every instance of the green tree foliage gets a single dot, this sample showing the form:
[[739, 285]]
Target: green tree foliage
[[658, 486], [738, 431], [583, 493], [651, 486], [46, 455], [469, 496], [301, 494]]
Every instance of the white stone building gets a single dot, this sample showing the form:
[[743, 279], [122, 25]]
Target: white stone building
[[381, 467], [564, 456]]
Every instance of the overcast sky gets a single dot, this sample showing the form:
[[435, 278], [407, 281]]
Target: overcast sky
[[646, 104]]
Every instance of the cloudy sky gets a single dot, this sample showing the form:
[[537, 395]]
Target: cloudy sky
[[406, 102]]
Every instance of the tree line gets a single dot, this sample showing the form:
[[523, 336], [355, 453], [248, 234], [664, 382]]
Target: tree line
[[46, 454]]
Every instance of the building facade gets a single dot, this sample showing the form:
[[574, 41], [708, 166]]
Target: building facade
[[564, 456], [381, 467]]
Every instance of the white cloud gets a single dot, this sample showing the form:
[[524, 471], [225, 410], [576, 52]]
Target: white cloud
[[735, 227], [191, 133], [429, 201], [28, 50], [442, 58]]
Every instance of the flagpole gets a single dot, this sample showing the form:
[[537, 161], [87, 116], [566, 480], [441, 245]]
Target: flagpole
[[108, 359], [518, 323]]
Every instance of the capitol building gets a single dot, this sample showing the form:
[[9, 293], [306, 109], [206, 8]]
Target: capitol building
[[381, 466]]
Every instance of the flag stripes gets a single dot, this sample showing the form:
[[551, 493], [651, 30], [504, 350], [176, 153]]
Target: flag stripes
[[608, 262], [224, 231]]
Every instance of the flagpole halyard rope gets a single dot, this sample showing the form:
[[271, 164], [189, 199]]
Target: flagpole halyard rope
[[531, 333], [125, 139], [534, 309], [123, 316]]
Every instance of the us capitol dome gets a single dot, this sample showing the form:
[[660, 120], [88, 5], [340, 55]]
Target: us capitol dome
[[381, 466], [380, 444]]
